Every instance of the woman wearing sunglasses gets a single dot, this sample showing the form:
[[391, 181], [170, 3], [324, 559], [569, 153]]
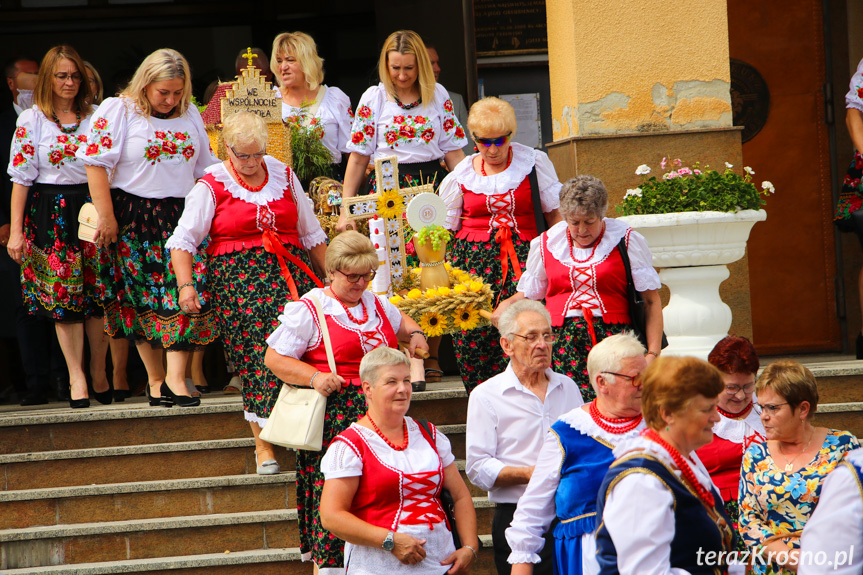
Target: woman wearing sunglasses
[[260, 225], [780, 479], [492, 208], [357, 321]]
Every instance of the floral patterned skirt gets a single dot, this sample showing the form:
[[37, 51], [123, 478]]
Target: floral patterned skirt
[[478, 352], [851, 198], [569, 355], [142, 300], [60, 276], [324, 548], [248, 296]]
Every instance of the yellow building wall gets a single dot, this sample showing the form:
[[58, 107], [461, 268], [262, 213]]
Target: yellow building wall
[[625, 67]]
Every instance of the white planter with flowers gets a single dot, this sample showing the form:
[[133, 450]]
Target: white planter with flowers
[[695, 223]]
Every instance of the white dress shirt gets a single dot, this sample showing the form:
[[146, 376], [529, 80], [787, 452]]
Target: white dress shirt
[[506, 426], [836, 526]]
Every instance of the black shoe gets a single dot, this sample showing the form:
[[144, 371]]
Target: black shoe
[[61, 384], [79, 403], [418, 385], [34, 398], [154, 401], [169, 398], [203, 388], [860, 346], [104, 397], [120, 395]]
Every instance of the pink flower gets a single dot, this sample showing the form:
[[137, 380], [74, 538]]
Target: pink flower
[[670, 176], [684, 172], [663, 163]]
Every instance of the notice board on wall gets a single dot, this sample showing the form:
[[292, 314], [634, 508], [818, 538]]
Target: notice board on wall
[[510, 27]]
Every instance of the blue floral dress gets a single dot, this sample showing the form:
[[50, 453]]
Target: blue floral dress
[[773, 501]]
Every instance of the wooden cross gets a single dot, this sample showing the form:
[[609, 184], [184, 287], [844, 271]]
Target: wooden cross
[[249, 56], [389, 198]]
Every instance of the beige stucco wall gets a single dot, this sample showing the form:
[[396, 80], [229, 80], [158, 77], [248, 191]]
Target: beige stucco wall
[[625, 67]]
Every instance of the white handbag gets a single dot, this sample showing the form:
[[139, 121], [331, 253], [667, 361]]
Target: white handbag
[[87, 217], [297, 419]]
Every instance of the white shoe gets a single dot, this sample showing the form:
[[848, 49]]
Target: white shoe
[[268, 467], [234, 386]]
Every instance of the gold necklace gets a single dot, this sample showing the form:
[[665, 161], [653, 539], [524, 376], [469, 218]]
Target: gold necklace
[[790, 464]]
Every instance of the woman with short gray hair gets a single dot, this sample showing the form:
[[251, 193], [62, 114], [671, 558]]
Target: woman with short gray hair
[[577, 267], [260, 226]]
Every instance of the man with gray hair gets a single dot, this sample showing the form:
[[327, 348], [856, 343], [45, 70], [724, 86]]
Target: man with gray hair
[[573, 461], [509, 415]]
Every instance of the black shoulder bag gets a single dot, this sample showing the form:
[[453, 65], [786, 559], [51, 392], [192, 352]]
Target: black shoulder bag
[[637, 307], [541, 224]]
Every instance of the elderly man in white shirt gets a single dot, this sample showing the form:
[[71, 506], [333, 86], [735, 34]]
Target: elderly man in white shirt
[[509, 415]]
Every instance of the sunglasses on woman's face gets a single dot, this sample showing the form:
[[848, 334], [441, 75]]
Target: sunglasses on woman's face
[[489, 142]]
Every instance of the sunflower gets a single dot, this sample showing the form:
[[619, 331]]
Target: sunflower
[[390, 204], [466, 318], [433, 324]]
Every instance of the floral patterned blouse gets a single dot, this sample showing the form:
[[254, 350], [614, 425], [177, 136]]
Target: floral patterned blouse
[[149, 157], [854, 97], [42, 153], [773, 502], [422, 134], [332, 119]]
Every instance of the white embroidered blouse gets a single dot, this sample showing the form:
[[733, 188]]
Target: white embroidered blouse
[[42, 153], [422, 134], [333, 115], [149, 157]]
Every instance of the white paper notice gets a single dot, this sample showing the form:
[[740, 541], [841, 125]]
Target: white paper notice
[[527, 114]]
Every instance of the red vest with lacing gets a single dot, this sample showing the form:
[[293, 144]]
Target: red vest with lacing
[[386, 496], [350, 343], [582, 285], [483, 214], [239, 225]]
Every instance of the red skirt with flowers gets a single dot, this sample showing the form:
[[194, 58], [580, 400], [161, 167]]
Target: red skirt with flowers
[[142, 302], [248, 295], [850, 197], [60, 276]]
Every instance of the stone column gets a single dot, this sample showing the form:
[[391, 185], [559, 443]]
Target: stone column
[[633, 82]]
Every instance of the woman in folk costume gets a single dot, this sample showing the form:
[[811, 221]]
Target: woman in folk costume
[[490, 207], [357, 321], [260, 225], [658, 510], [60, 277], [574, 459], [145, 149], [578, 269]]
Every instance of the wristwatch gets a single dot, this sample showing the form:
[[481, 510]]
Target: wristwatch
[[389, 544]]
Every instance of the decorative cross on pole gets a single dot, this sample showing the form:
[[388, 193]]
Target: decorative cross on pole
[[389, 204], [249, 56]]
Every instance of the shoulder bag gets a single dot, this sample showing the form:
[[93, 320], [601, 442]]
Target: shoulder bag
[[637, 307], [445, 497]]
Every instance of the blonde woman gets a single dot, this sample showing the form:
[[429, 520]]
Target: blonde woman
[[145, 150], [407, 115], [228, 205], [306, 100], [490, 209], [59, 273]]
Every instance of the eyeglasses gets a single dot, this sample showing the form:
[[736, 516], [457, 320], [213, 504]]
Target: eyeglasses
[[735, 389], [488, 142], [635, 380], [771, 409], [76, 78], [245, 157], [354, 278], [533, 338]]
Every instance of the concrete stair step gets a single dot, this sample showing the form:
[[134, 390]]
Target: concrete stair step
[[261, 562], [66, 429], [845, 416], [161, 537], [146, 500], [147, 538]]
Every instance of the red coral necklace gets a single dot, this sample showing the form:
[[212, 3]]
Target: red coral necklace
[[360, 321], [629, 423], [684, 467], [401, 447], [592, 252], [244, 184], [741, 415]]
